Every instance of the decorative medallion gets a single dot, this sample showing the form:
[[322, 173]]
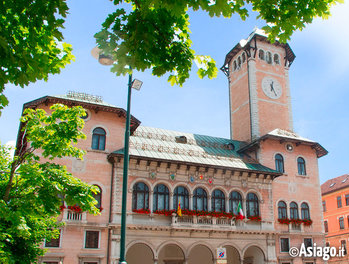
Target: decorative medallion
[[191, 178], [172, 176], [201, 176], [152, 174], [210, 180]]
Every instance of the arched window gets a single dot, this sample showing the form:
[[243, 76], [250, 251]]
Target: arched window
[[282, 210], [200, 200], [98, 197], [279, 163], [301, 166], [276, 59], [239, 62], [268, 57], [234, 200], [252, 205], [294, 211], [305, 211], [98, 138], [218, 201], [140, 196], [261, 54], [161, 198], [235, 66], [243, 57], [181, 194]]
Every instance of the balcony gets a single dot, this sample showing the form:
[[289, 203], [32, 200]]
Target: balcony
[[72, 216], [200, 222]]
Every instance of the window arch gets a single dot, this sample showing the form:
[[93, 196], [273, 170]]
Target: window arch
[[239, 62], [98, 196], [252, 205], [243, 57], [235, 66], [200, 200], [161, 198], [294, 211], [279, 163], [181, 194], [276, 59], [140, 196], [305, 211], [282, 210], [218, 201], [234, 199], [98, 138], [268, 57], [261, 54], [301, 166]]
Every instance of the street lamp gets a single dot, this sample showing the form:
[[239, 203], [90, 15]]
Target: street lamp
[[136, 84]]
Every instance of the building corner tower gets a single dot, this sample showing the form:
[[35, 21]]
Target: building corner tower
[[259, 91]]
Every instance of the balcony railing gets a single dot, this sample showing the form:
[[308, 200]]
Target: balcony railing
[[200, 222], [220, 223], [72, 216]]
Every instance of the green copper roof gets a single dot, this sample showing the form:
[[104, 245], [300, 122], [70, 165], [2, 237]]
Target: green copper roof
[[161, 144]]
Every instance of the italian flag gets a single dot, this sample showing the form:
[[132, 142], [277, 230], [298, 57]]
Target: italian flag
[[240, 212], [179, 210]]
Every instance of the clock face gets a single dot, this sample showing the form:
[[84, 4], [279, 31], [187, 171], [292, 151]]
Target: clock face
[[271, 87]]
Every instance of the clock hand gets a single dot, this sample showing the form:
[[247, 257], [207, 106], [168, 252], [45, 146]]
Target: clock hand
[[272, 88]]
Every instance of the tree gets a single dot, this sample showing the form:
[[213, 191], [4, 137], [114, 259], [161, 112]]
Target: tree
[[151, 34], [30, 42], [32, 185], [154, 34]]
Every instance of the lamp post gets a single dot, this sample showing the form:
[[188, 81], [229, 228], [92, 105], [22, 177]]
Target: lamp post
[[136, 84]]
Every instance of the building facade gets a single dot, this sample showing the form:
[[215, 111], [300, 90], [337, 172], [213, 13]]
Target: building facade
[[266, 168], [335, 203]]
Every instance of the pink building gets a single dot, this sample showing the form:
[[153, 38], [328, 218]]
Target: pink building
[[267, 168]]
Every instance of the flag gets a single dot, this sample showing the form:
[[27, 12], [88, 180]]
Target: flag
[[240, 212], [179, 210]]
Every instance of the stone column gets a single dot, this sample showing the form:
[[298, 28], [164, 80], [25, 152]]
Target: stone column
[[209, 203], [151, 199], [171, 201], [191, 201]]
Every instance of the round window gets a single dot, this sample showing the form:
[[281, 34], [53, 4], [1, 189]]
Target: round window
[[289, 147]]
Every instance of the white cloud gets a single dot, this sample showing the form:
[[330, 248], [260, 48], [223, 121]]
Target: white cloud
[[331, 36]]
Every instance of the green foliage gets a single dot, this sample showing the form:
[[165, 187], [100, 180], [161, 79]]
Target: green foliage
[[30, 42], [31, 188], [155, 34]]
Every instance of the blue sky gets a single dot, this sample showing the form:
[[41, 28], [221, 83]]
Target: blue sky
[[318, 79]]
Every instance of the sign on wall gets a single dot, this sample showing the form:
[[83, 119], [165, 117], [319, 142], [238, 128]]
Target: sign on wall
[[221, 255]]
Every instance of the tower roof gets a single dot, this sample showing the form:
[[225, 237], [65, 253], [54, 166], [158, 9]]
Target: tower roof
[[251, 43], [283, 135], [93, 102]]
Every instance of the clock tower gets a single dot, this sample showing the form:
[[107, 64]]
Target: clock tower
[[259, 92]]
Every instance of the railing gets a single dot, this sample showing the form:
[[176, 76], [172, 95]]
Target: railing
[[74, 216], [220, 223], [200, 222]]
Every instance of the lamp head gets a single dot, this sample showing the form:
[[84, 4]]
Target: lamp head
[[103, 59]]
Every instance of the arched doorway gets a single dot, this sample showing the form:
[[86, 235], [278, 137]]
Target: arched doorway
[[233, 256], [171, 254], [254, 255], [139, 253], [200, 254]]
